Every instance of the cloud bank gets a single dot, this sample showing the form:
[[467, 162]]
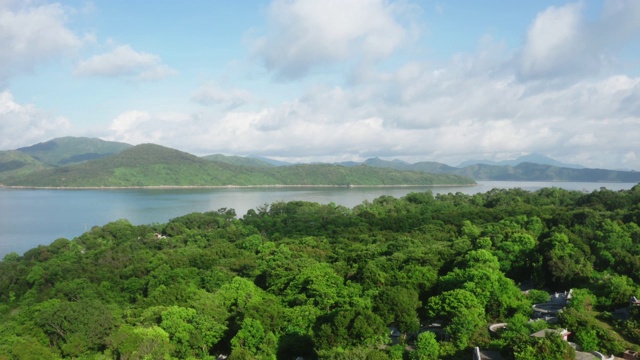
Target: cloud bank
[[31, 35], [27, 124], [304, 35]]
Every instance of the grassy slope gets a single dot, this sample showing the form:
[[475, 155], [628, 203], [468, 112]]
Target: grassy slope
[[154, 165]]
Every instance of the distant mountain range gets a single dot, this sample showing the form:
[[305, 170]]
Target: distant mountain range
[[90, 162], [524, 171], [155, 165], [531, 158], [72, 150]]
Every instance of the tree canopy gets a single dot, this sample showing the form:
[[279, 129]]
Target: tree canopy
[[417, 277]]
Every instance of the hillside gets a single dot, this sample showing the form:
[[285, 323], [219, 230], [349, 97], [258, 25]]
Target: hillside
[[16, 163], [155, 165], [238, 160], [425, 166], [93, 162], [358, 175], [537, 172], [524, 171], [530, 158], [71, 150]]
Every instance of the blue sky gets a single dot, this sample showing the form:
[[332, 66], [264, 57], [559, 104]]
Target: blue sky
[[329, 80]]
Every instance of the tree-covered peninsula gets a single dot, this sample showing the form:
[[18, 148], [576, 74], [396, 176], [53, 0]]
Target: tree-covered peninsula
[[418, 277], [155, 165]]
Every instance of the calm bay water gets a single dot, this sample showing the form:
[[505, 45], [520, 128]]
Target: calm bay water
[[32, 217]]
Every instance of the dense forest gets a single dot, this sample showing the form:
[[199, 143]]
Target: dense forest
[[418, 277]]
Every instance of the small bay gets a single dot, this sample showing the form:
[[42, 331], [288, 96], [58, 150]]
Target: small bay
[[30, 217]]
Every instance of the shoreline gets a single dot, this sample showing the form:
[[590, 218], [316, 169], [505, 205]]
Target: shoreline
[[177, 187]]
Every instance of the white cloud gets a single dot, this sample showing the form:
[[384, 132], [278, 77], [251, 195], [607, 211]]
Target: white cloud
[[211, 94], [137, 127], [33, 34], [418, 113], [554, 41], [123, 61], [305, 34], [561, 42], [24, 125]]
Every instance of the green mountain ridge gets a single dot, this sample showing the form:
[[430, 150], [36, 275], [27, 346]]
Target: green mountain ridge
[[522, 172], [15, 163], [537, 172], [155, 165], [71, 150], [530, 158], [61, 155], [237, 160], [424, 166]]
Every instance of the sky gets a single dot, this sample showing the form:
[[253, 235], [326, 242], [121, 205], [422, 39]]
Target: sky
[[329, 80]]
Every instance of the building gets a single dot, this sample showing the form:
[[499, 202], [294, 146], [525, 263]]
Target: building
[[564, 334]]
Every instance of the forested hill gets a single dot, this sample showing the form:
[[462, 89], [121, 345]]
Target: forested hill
[[66, 151], [16, 163], [525, 171], [238, 160], [537, 172], [301, 279], [72, 150], [155, 165]]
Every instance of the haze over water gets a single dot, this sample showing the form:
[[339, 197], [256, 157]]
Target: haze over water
[[29, 218]]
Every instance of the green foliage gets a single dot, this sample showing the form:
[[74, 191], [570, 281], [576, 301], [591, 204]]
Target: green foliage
[[16, 163], [587, 339], [141, 343], [238, 160], [426, 347], [347, 327], [567, 264], [536, 296], [323, 281], [250, 336], [398, 306], [550, 347], [464, 313], [70, 150]]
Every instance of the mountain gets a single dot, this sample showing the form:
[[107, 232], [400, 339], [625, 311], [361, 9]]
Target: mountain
[[72, 150], [85, 162], [238, 160], [155, 165], [538, 172], [15, 163], [523, 171], [141, 165], [271, 161], [348, 163], [534, 158], [425, 166]]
